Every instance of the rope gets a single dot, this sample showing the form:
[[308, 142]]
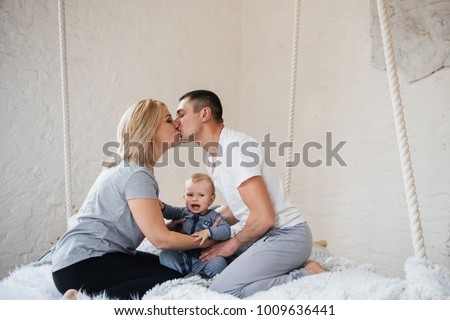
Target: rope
[[65, 106], [292, 95], [402, 138]]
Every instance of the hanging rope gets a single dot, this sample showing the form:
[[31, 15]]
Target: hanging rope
[[402, 137], [292, 95], [65, 106]]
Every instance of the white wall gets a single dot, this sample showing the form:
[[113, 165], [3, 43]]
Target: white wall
[[120, 53], [360, 209], [117, 54]]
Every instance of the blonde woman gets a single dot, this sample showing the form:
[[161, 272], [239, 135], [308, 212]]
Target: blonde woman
[[99, 254]]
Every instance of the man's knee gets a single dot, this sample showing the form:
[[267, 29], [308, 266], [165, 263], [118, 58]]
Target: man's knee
[[223, 287]]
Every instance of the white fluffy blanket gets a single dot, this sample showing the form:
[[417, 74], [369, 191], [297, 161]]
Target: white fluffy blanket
[[344, 280]]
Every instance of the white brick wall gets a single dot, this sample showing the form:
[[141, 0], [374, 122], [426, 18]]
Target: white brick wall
[[360, 209], [119, 53]]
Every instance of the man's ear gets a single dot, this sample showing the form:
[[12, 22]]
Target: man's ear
[[205, 114]]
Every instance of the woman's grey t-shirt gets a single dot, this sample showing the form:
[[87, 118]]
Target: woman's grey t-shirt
[[105, 223]]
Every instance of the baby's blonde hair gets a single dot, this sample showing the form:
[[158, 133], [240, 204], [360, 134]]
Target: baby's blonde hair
[[196, 177]]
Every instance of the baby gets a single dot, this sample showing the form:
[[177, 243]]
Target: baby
[[202, 223]]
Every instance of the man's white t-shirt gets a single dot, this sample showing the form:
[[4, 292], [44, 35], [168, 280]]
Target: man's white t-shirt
[[240, 158]]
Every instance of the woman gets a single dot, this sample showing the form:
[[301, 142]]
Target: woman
[[99, 254]]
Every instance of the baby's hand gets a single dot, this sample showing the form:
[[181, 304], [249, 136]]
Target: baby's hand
[[202, 235]]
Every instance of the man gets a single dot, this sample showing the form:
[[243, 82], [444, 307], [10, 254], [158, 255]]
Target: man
[[275, 240]]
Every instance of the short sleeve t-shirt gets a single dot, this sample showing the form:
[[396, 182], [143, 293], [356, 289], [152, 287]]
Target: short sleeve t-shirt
[[105, 223], [240, 158]]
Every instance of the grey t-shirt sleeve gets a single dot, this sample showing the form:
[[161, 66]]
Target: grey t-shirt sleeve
[[141, 185]]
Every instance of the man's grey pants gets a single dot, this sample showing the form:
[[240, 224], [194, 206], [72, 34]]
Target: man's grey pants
[[276, 258]]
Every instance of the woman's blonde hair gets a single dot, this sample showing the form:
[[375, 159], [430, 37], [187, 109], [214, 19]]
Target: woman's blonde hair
[[135, 133]]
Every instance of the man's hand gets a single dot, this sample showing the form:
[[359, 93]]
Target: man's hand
[[226, 214], [222, 249]]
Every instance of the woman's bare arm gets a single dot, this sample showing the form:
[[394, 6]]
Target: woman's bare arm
[[149, 218]]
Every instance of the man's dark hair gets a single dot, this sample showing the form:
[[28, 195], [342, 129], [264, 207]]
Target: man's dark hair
[[205, 98]]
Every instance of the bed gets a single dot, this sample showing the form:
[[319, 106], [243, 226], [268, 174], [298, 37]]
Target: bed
[[345, 280]]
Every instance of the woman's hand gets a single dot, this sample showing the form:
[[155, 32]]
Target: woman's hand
[[175, 225]]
